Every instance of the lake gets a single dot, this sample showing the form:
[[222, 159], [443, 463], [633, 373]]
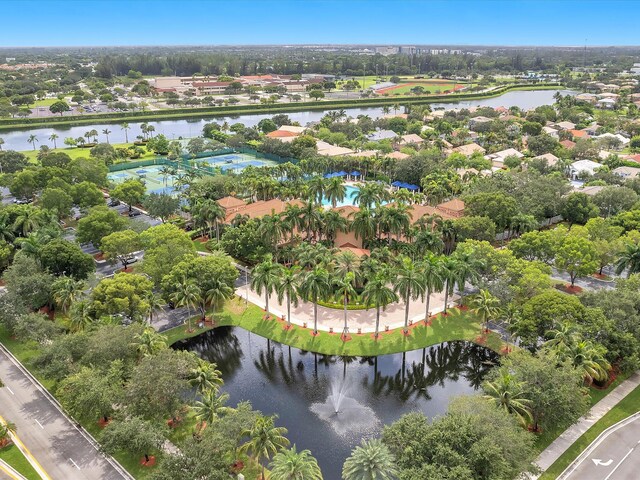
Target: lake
[[172, 129], [305, 389]]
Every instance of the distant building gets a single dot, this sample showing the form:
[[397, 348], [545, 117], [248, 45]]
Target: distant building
[[583, 166]]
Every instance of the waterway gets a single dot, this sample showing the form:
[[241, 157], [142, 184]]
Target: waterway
[[185, 128], [304, 389]]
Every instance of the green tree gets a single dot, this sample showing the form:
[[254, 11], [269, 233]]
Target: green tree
[[265, 439], [65, 291], [293, 465], [149, 342], [187, 294], [629, 259], [211, 406], [370, 460], [59, 107], [133, 435], [130, 191], [121, 245], [57, 200], [577, 256], [377, 292], [161, 205], [485, 305], [335, 191], [345, 290], [409, 284], [165, 247], [264, 278], [315, 286], [86, 194], [433, 279], [61, 257], [287, 285], [205, 376], [509, 395], [613, 200], [100, 222], [123, 294], [578, 208], [92, 392]]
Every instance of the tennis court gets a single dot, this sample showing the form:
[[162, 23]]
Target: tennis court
[[236, 161], [151, 176]]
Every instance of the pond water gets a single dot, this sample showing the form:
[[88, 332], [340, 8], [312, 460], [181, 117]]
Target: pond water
[[173, 129], [305, 389]]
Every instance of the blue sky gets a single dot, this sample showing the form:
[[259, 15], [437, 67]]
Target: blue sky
[[189, 22]]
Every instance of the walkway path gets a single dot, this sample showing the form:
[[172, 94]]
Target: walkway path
[[328, 318], [62, 449], [571, 434]]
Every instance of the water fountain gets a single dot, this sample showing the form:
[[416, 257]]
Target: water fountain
[[346, 415]]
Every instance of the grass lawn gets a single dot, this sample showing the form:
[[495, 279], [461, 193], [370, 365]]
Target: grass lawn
[[75, 152], [628, 406], [458, 325], [14, 457], [200, 247], [45, 102]]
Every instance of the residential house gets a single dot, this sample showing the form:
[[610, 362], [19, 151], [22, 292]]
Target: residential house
[[382, 135], [479, 120], [260, 208], [583, 166], [231, 205], [329, 150], [552, 132], [568, 144], [283, 135], [498, 158], [566, 125], [397, 155], [627, 172], [469, 149], [608, 103], [411, 138], [550, 158]]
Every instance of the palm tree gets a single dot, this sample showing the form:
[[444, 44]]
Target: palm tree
[[28, 220], [94, 134], [264, 278], [1, 143], [335, 191], [149, 342], [314, 286], [433, 279], [485, 305], [272, 229], [6, 230], [106, 133], [154, 303], [509, 394], [377, 293], [65, 291], [332, 223], [125, 126], [33, 139], [265, 439], [589, 358], [188, 295], [563, 338], [52, 138], [345, 291], [292, 465], [211, 406], [448, 272], [217, 294], [409, 284], [310, 218], [345, 261], [80, 316], [6, 430], [629, 259], [205, 377], [364, 225], [287, 284], [371, 460]]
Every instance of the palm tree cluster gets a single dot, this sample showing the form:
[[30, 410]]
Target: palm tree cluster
[[189, 295], [567, 343], [317, 274]]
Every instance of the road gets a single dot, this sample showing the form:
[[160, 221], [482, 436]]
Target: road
[[615, 455], [62, 450]]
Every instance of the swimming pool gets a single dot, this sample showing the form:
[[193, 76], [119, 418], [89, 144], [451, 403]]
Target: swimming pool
[[349, 197]]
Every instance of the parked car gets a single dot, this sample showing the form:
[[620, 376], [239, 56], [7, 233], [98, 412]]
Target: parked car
[[131, 259], [135, 213], [113, 202]]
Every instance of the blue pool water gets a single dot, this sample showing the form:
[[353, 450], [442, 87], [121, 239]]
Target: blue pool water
[[348, 197]]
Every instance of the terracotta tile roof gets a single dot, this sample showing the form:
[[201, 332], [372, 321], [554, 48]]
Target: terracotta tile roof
[[347, 211], [568, 144], [579, 133], [469, 149], [397, 155], [361, 252], [281, 134], [455, 205], [231, 202], [261, 208]]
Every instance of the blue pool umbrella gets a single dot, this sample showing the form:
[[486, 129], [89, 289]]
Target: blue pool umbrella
[[329, 175], [396, 184], [141, 171], [341, 173], [355, 173], [412, 187]]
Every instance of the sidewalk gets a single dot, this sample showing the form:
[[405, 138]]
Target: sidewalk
[[571, 434], [328, 318]]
